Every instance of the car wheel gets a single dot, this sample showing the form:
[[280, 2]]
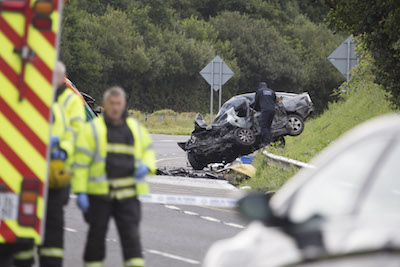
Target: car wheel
[[196, 164], [297, 124], [245, 137]]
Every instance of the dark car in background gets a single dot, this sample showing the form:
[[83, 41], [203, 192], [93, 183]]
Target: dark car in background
[[342, 212], [236, 129]]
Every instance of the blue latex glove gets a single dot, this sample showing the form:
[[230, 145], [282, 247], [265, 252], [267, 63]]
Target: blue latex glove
[[83, 202], [56, 151], [54, 141], [141, 170]]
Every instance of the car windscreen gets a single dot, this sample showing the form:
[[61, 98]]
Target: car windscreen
[[239, 103]]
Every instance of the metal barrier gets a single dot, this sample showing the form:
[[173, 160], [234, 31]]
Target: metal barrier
[[287, 161]]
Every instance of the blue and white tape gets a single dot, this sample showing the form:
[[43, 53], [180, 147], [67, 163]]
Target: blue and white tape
[[189, 200]]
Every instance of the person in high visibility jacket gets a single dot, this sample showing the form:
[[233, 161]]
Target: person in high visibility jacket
[[68, 119], [113, 155]]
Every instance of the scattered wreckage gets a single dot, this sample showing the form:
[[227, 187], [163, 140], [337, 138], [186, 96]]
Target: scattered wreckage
[[235, 173], [236, 130]]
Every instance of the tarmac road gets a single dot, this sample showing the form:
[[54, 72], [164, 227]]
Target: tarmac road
[[172, 235]]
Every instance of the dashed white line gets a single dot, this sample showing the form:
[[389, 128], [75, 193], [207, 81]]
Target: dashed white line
[[234, 225], [211, 219], [190, 213], [171, 256], [172, 207]]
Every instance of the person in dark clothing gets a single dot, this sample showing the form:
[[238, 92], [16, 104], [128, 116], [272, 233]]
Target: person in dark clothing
[[265, 103], [112, 157]]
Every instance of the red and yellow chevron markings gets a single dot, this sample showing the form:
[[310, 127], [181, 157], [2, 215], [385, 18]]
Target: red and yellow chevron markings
[[28, 53]]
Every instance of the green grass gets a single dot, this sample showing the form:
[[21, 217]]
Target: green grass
[[363, 101], [167, 121]]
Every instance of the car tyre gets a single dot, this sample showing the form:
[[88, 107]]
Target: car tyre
[[245, 137], [297, 124], [194, 162]]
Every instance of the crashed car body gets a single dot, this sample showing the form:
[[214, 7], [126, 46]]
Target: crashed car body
[[236, 130]]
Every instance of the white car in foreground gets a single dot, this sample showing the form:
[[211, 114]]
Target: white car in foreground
[[345, 212]]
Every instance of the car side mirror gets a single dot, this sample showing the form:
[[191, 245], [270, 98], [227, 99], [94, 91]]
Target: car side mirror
[[255, 207]]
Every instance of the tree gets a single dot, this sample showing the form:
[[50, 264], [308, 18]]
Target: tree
[[376, 25], [263, 55], [313, 43]]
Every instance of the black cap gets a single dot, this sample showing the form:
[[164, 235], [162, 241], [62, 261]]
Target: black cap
[[262, 85]]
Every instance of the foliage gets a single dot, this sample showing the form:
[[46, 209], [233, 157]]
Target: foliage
[[376, 25], [156, 49]]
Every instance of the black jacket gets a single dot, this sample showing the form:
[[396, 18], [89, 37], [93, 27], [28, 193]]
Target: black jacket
[[265, 100]]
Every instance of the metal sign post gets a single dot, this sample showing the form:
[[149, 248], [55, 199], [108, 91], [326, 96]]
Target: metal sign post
[[344, 57], [216, 73]]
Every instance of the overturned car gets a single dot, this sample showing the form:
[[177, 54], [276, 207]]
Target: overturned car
[[236, 130]]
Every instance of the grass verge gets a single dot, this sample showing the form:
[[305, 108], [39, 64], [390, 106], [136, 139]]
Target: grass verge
[[361, 101]]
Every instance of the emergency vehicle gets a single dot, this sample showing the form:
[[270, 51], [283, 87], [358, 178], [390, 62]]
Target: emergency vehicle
[[29, 38]]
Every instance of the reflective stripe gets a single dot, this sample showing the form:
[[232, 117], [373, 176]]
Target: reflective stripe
[[121, 182], [72, 131], [85, 151], [139, 129], [94, 264], [51, 252], [80, 165], [64, 121], [96, 157], [77, 118], [98, 179], [67, 99], [24, 255], [123, 193], [134, 262], [120, 149]]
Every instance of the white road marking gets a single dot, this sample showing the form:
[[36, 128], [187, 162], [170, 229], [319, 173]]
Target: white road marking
[[171, 256], [234, 225], [172, 207], [190, 213], [70, 230], [211, 219]]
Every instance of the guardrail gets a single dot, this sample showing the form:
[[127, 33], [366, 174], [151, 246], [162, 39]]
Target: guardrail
[[287, 161]]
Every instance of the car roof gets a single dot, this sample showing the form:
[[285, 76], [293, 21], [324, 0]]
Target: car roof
[[389, 123]]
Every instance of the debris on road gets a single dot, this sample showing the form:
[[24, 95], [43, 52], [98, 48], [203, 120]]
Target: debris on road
[[234, 173], [182, 172]]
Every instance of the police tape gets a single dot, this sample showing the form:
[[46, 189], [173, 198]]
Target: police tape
[[189, 200]]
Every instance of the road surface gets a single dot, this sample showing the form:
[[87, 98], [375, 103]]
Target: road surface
[[172, 235]]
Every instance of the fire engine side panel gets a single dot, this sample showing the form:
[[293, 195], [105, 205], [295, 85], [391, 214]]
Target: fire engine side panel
[[26, 95]]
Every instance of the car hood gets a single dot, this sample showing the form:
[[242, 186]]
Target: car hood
[[259, 245]]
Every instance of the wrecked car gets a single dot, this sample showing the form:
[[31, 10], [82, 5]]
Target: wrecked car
[[236, 130]]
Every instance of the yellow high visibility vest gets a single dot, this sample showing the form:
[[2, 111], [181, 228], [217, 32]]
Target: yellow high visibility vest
[[60, 128], [90, 155], [74, 110]]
